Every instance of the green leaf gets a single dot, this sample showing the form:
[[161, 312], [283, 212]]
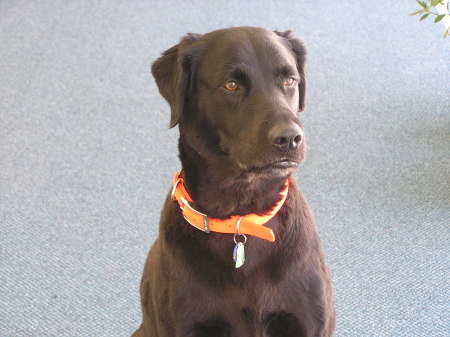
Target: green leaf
[[423, 4], [423, 17], [434, 2], [447, 32], [418, 12], [439, 18]]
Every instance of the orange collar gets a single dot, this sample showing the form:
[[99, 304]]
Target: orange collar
[[251, 224]]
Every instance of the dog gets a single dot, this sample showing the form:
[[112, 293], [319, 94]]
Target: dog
[[238, 253]]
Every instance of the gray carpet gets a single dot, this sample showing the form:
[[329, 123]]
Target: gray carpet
[[86, 157]]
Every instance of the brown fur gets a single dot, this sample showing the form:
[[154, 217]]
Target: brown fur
[[237, 148]]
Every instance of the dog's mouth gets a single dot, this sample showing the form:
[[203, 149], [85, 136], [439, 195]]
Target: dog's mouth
[[284, 163], [283, 166], [263, 162], [280, 166]]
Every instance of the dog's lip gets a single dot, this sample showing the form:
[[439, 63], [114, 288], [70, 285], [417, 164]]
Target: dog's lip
[[286, 160], [283, 163]]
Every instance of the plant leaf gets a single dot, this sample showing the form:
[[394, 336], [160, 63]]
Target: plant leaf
[[434, 2], [447, 32], [418, 12], [423, 17], [423, 4], [439, 18]]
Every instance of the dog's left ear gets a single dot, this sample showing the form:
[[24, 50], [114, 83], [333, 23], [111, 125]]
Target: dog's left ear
[[298, 48], [173, 71]]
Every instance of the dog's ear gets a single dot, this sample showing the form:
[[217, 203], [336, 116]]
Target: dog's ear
[[172, 72], [298, 47]]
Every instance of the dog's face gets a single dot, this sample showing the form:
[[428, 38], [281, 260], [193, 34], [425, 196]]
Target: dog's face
[[236, 94]]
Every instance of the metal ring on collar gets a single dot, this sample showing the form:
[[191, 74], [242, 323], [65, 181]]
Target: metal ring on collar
[[236, 241], [238, 223]]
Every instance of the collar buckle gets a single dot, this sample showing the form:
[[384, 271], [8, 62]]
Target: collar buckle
[[204, 216]]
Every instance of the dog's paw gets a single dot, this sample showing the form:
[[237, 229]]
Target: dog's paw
[[283, 324], [215, 327]]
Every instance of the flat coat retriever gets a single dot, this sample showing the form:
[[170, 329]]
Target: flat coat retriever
[[235, 94]]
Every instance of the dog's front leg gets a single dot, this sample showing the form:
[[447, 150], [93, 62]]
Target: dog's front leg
[[214, 327]]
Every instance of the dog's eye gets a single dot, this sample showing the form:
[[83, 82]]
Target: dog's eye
[[290, 82], [231, 85]]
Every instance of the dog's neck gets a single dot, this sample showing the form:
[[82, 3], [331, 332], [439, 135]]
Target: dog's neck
[[220, 190]]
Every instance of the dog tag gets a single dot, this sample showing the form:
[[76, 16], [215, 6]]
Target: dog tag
[[239, 254]]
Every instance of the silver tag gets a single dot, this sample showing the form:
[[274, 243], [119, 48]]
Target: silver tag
[[239, 254]]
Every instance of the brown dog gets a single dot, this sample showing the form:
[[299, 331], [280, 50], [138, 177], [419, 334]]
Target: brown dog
[[236, 94]]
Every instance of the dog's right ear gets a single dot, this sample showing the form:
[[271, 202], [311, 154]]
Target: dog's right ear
[[172, 72], [299, 50]]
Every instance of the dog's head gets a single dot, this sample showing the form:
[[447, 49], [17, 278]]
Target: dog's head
[[236, 94]]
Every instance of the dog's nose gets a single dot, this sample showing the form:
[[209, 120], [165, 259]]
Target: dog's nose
[[286, 137]]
